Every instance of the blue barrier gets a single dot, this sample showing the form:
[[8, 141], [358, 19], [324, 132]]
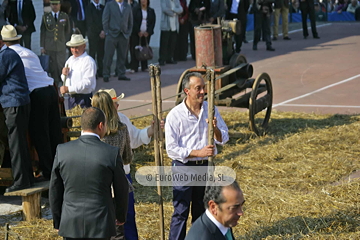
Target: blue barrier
[[296, 17]]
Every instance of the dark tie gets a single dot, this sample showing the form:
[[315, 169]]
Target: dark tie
[[55, 17], [80, 16]]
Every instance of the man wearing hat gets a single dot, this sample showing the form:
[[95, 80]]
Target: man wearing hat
[[44, 121], [55, 26], [15, 101], [79, 74]]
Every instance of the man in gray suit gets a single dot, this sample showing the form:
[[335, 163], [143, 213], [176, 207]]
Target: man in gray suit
[[80, 187], [223, 210], [117, 22]]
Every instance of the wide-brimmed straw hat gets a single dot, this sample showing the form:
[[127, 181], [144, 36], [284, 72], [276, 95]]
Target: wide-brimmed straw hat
[[112, 94], [76, 40], [8, 33]]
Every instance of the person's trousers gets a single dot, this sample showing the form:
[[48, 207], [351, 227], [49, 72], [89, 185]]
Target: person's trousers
[[57, 62], [183, 198], [167, 45], [17, 120], [83, 100], [120, 44], [131, 232], [134, 41], [285, 21], [44, 126], [305, 11], [25, 40], [262, 25], [182, 43], [96, 51]]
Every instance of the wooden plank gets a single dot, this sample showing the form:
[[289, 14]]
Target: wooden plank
[[5, 174], [38, 187]]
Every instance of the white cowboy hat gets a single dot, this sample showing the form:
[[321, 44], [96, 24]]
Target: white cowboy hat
[[112, 94], [76, 40], [8, 33]]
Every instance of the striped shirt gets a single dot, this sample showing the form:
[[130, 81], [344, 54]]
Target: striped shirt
[[185, 132]]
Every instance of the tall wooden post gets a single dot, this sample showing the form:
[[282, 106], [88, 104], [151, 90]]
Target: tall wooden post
[[156, 101], [210, 75]]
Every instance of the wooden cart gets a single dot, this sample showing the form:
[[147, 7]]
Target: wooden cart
[[234, 84]]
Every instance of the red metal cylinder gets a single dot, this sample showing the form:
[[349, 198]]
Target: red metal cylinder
[[208, 46]]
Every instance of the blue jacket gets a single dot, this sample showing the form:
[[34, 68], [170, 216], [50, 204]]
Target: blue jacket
[[14, 90]]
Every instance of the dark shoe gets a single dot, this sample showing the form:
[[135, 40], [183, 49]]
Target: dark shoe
[[287, 38], [106, 79], [162, 63], [245, 41], [254, 47], [275, 38], [316, 37], [171, 62], [124, 78], [305, 37], [14, 188], [270, 49]]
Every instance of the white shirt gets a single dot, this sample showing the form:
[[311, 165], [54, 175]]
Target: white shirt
[[221, 227], [234, 6], [138, 137], [97, 5], [82, 74], [90, 134], [57, 14], [185, 132], [35, 74], [143, 26], [172, 19]]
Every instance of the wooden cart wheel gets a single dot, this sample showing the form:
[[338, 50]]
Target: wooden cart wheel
[[179, 98], [260, 99], [237, 59]]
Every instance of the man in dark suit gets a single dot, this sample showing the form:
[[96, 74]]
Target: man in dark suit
[[15, 101], [262, 20], [223, 210], [80, 187], [22, 16], [307, 8], [238, 9], [78, 14], [117, 22], [96, 34]]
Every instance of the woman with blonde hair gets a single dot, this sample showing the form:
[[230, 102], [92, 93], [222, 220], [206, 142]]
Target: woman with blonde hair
[[116, 135]]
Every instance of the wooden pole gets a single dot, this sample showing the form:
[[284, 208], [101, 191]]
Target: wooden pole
[[6, 227], [210, 75], [159, 113], [156, 145]]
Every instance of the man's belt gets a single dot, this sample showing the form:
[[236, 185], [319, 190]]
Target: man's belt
[[79, 94], [199, 162]]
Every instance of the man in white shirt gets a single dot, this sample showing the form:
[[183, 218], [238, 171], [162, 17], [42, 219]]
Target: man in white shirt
[[79, 74], [223, 210], [186, 143], [44, 120]]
